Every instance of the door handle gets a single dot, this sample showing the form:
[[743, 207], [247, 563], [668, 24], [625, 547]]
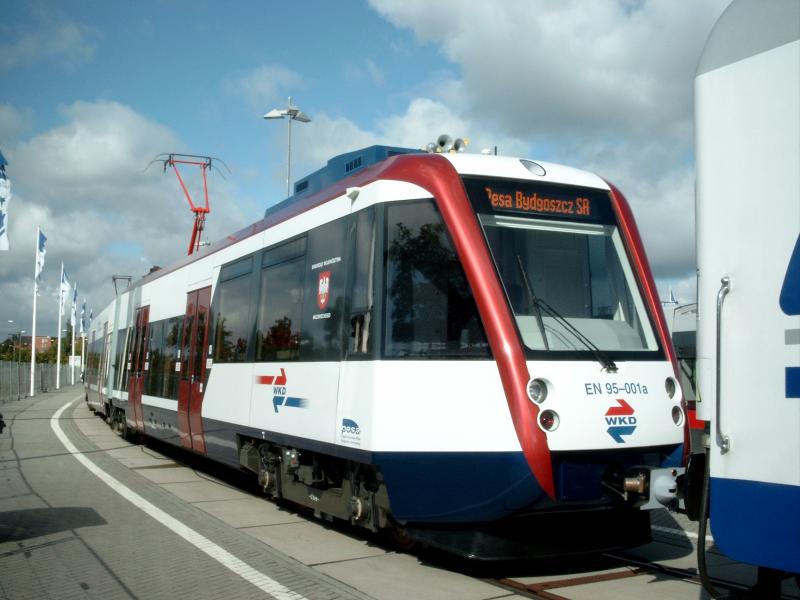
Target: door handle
[[723, 441]]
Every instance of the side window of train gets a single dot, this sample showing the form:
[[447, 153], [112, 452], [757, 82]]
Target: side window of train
[[361, 289], [323, 301], [154, 374], [233, 312], [280, 301], [429, 308], [172, 341]]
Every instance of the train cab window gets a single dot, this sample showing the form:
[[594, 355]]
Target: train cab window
[[568, 280], [233, 312], [280, 302], [429, 309]]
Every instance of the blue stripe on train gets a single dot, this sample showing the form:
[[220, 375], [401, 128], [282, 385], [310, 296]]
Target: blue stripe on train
[[793, 382], [457, 486], [757, 522]]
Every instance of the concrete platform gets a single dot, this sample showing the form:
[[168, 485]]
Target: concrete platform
[[65, 534]]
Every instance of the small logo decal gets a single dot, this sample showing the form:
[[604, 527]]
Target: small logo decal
[[323, 289], [351, 432], [620, 420]]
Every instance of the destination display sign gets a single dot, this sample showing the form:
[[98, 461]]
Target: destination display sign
[[534, 199]]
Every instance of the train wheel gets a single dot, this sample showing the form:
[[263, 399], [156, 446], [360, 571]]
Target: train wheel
[[120, 425]]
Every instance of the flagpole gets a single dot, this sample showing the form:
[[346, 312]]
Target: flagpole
[[60, 310], [33, 326], [72, 359]]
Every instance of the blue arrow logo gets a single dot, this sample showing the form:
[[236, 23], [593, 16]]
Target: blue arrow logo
[[620, 430], [288, 401]]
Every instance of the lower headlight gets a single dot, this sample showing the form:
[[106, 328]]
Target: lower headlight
[[548, 419]]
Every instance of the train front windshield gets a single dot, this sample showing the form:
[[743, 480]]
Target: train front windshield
[[563, 266]]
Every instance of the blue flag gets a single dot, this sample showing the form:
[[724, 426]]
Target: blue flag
[[62, 296], [5, 198], [40, 252]]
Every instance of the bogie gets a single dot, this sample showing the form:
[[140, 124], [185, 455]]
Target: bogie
[[330, 487]]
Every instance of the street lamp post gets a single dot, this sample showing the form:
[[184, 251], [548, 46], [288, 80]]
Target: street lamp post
[[290, 113], [19, 357]]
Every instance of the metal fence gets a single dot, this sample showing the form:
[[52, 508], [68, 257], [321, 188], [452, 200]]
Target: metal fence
[[15, 379]]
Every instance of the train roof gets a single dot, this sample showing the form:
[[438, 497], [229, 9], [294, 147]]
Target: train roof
[[515, 168], [338, 168], [350, 163], [747, 28]]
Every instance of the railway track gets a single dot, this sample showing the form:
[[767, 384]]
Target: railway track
[[628, 578]]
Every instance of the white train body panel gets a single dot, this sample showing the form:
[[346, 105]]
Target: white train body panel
[[748, 223], [426, 407], [598, 409]]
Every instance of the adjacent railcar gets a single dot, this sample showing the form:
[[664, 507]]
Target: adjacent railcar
[[466, 347], [747, 113]]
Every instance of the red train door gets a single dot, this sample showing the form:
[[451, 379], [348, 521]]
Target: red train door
[[194, 353], [138, 366]]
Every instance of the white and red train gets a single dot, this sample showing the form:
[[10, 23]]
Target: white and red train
[[468, 347]]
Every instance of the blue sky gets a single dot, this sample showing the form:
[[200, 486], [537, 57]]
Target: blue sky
[[92, 91]]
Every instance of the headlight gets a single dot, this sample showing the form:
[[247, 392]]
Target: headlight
[[537, 390], [677, 415]]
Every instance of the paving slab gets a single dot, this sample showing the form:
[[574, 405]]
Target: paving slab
[[311, 543], [137, 456], [249, 512], [203, 491], [168, 474], [112, 442], [402, 577]]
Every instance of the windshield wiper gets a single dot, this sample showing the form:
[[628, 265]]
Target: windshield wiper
[[534, 302], [601, 357]]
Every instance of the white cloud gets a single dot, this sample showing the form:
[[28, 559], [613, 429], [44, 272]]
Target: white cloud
[[423, 121], [535, 66], [13, 122], [84, 183], [50, 37], [264, 86]]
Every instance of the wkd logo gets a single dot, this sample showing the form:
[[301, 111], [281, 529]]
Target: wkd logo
[[620, 420], [280, 398]]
